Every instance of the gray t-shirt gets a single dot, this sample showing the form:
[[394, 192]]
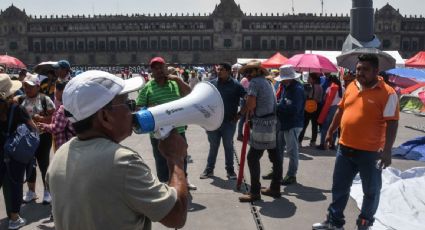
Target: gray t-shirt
[[262, 89], [98, 184]]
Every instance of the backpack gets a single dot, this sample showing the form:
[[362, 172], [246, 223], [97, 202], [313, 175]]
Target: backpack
[[22, 144], [310, 103]]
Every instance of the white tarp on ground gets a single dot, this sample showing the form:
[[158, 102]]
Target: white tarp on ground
[[402, 203], [331, 55]]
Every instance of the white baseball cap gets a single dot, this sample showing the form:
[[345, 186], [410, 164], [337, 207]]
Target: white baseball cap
[[86, 94]]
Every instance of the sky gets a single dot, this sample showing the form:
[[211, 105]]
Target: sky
[[74, 7]]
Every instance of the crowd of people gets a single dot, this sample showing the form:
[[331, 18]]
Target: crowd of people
[[85, 117]]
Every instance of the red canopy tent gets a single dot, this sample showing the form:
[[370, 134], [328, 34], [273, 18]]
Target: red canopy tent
[[276, 61], [417, 61]]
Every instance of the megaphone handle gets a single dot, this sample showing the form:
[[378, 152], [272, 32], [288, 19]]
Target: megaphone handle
[[163, 132]]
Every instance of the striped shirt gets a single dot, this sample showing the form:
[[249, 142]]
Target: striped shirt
[[153, 94]]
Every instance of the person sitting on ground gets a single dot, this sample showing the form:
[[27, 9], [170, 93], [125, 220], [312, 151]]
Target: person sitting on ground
[[102, 184]]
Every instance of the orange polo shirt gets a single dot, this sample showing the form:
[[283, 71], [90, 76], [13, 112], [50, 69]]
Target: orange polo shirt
[[365, 112]]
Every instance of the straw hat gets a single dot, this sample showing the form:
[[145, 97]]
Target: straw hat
[[7, 86], [254, 64]]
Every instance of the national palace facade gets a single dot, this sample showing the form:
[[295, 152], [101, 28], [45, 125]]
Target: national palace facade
[[224, 35]]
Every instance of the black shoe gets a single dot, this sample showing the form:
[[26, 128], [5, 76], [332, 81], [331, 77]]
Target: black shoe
[[231, 175], [326, 225], [268, 176], [363, 224], [289, 180], [207, 174]]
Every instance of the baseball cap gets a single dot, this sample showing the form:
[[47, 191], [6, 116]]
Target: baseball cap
[[32, 80], [86, 94], [157, 60], [64, 64]]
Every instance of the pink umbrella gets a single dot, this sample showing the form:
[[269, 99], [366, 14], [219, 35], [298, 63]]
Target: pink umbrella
[[312, 63], [11, 62]]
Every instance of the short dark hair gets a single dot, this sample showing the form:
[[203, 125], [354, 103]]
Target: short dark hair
[[371, 58], [226, 66], [83, 125]]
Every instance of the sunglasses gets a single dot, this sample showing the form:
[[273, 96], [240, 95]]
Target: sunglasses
[[130, 103]]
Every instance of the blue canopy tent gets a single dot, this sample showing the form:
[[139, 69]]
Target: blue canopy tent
[[417, 74]]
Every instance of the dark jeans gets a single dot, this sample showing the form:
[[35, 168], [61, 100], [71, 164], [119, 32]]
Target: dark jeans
[[225, 132], [161, 165], [326, 124], [43, 157], [314, 126], [348, 163], [11, 179], [254, 156]]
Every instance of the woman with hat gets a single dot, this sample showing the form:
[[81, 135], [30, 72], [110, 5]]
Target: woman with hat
[[40, 108], [261, 109], [12, 174]]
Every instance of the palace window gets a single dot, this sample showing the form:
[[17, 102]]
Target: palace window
[[329, 44], [143, 44], [164, 44], [70, 46], [91, 45], [247, 44], [196, 45], [264, 44], [123, 45], [59, 46], [406, 45], [207, 44], [49, 46], [37, 46], [175, 44], [154, 44], [102, 45], [273, 44], [112, 45], [81, 45], [13, 45], [185, 44], [319, 44], [282, 44], [227, 43], [133, 45], [297, 45], [309, 44]]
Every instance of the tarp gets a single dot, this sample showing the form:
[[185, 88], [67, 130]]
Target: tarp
[[417, 74], [331, 55], [411, 104], [412, 149], [417, 61], [402, 202], [275, 61]]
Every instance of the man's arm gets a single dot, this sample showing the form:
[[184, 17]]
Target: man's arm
[[334, 126], [183, 87], [251, 103], [174, 149], [390, 135]]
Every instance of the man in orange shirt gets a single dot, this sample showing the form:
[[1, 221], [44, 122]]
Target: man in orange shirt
[[368, 117]]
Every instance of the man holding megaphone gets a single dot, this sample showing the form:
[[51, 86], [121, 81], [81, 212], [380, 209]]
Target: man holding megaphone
[[162, 89], [102, 184]]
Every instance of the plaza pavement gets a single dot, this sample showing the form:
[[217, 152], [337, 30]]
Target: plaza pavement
[[215, 204]]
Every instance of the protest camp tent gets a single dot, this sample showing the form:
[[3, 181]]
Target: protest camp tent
[[417, 61], [412, 99]]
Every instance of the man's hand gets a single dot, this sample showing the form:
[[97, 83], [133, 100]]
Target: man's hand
[[385, 160], [328, 140], [174, 147], [173, 77]]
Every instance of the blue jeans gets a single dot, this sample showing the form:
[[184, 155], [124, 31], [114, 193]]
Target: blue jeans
[[161, 163], [325, 126], [225, 132], [348, 163], [292, 149]]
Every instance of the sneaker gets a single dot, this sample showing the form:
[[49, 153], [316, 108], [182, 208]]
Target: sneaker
[[191, 186], [326, 225], [29, 196], [47, 199], [289, 180], [363, 224], [20, 222], [231, 175], [207, 174], [268, 176]]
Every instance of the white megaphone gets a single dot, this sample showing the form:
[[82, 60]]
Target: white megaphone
[[203, 106]]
